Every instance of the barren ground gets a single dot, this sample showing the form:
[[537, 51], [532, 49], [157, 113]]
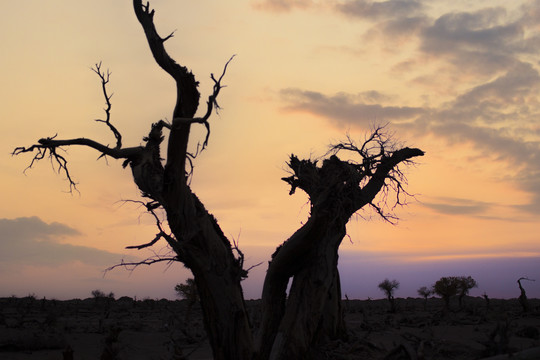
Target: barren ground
[[157, 330]]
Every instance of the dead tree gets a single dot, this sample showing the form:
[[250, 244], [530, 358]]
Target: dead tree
[[523, 300], [336, 189]]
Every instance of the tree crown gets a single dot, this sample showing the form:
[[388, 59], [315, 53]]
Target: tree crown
[[388, 286]]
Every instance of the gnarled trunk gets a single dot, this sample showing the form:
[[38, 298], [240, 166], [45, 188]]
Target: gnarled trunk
[[205, 250], [313, 310]]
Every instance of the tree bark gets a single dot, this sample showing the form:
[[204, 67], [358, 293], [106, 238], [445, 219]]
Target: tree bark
[[313, 309], [205, 250], [198, 240]]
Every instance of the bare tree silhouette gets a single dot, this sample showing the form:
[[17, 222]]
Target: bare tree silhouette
[[336, 188], [523, 300]]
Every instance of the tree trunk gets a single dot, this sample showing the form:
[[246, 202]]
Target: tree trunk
[[313, 309], [205, 250], [225, 317]]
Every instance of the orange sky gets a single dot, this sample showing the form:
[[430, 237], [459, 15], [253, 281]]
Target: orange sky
[[460, 82]]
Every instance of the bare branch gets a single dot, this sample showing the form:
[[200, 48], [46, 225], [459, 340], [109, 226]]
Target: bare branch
[[168, 36], [50, 145], [240, 259], [151, 207], [354, 183], [211, 104], [134, 264], [104, 81], [41, 152], [253, 267], [187, 94], [139, 247]]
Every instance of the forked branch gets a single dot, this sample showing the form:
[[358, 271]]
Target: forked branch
[[187, 93], [105, 77], [162, 234], [50, 146], [41, 151], [211, 105]]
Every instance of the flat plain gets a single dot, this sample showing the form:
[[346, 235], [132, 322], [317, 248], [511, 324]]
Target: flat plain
[[107, 329]]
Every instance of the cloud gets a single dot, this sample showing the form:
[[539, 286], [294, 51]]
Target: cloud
[[512, 89], [481, 41], [394, 20], [454, 206], [402, 27], [33, 227], [380, 10], [496, 117], [31, 241], [280, 6], [484, 63], [484, 41], [345, 108]]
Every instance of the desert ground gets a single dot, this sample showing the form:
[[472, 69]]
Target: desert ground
[[125, 328]]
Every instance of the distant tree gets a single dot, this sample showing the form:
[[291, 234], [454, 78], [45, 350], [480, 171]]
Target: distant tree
[[98, 294], [101, 296], [424, 292], [465, 284], [188, 291], [388, 287], [446, 287], [523, 295], [486, 298]]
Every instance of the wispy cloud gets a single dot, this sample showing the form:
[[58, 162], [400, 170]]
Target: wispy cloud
[[454, 206], [484, 41], [31, 241], [345, 108], [377, 10], [488, 58], [394, 20], [280, 6]]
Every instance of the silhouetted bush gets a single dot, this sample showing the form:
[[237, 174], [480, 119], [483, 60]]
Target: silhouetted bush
[[446, 287], [388, 287]]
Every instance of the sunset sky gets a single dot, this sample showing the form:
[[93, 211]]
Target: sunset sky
[[459, 79]]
